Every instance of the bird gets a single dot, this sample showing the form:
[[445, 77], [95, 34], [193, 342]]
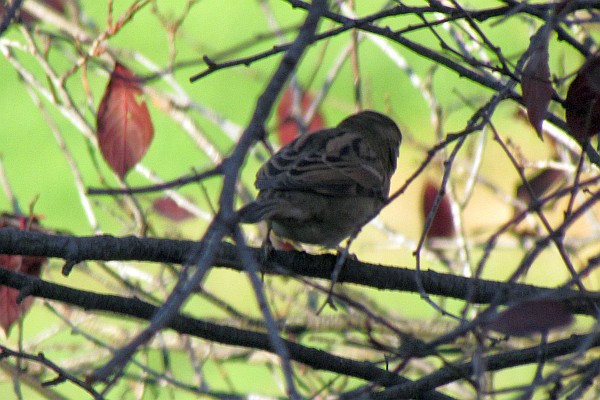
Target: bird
[[323, 187]]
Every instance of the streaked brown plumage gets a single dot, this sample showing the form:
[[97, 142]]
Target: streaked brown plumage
[[324, 186]]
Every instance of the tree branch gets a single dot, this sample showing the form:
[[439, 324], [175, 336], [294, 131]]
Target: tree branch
[[180, 323], [131, 248]]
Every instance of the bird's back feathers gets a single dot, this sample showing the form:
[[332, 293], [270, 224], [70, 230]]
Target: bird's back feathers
[[342, 161]]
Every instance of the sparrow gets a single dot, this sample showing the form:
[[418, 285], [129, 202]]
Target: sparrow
[[324, 186]]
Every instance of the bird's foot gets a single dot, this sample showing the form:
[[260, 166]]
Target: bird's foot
[[342, 255]]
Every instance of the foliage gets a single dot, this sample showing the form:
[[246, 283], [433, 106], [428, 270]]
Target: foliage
[[149, 120]]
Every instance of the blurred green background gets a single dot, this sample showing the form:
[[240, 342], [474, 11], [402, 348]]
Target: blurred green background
[[42, 179]]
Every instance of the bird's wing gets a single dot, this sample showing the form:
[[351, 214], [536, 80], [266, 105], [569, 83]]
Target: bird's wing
[[333, 162]]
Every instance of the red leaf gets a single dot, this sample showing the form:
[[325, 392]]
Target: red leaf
[[540, 184], [167, 207], [531, 316], [125, 129], [583, 102], [536, 86], [10, 310], [442, 225], [287, 126]]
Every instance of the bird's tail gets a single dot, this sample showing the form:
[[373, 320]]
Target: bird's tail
[[256, 211]]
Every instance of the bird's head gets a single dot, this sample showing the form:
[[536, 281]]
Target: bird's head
[[381, 126]]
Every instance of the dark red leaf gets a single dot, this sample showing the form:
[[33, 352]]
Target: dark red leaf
[[536, 86], [532, 316], [10, 310], [287, 126], [167, 207], [540, 184], [583, 102], [125, 129], [561, 6], [442, 225]]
